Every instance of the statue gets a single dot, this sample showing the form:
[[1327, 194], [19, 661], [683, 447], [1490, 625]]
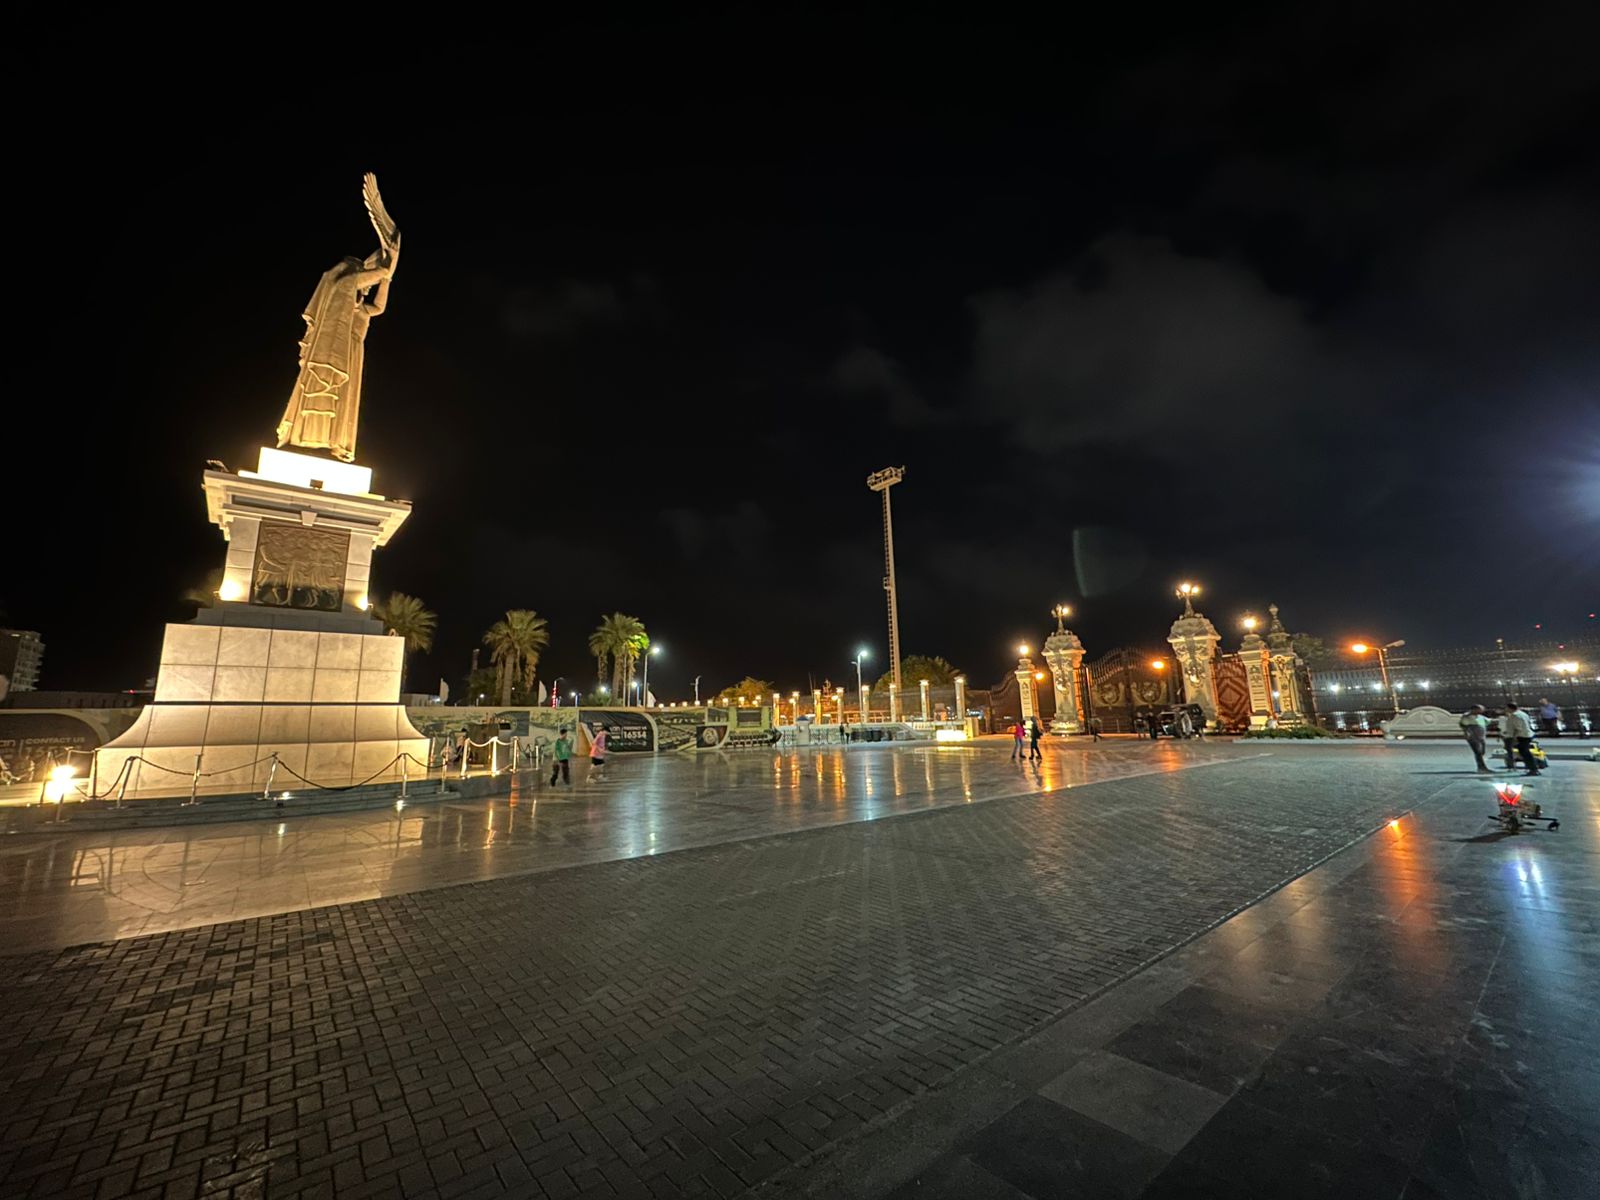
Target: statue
[[322, 409]]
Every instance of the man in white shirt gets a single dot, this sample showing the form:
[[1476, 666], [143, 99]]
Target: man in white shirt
[[1516, 727]]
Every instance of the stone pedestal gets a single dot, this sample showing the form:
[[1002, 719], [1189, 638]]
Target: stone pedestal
[[1194, 641], [1025, 690], [922, 686], [1258, 675], [961, 697], [1063, 653], [288, 662], [816, 705], [894, 703], [231, 695], [1285, 672]]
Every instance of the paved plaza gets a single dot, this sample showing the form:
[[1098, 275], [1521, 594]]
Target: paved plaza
[[1199, 969]]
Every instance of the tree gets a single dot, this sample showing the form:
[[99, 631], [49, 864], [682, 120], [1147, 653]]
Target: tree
[[514, 646], [621, 639], [750, 690], [913, 670], [1313, 651], [406, 617]]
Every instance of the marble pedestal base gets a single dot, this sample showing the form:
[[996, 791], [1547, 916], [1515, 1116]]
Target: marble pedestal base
[[230, 695]]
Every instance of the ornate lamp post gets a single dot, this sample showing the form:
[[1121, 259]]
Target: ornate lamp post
[[861, 688], [1063, 654], [1258, 673], [1025, 673]]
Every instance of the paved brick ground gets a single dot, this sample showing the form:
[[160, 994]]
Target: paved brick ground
[[685, 1025]]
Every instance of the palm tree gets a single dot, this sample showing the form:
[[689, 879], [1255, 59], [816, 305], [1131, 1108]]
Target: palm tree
[[600, 647], [514, 646], [405, 617], [622, 639]]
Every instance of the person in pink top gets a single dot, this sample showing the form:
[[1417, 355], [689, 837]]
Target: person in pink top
[[597, 749]]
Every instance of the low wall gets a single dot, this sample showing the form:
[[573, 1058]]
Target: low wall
[[628, 730]]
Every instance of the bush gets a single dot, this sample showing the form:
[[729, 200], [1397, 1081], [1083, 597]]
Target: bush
[[1297, 732]]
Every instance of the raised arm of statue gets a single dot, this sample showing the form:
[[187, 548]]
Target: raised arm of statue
[[390, 257]]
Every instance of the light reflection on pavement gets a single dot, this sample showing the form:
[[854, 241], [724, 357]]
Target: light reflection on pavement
[[75, 887]]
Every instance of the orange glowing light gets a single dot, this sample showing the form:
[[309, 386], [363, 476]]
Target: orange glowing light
[[1157, 664], [1359, 647]]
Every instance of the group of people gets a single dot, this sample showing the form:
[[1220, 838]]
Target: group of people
[[1028, 734], [561, 755], [1515, 728]]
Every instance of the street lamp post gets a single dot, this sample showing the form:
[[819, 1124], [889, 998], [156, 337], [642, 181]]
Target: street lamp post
[[653, 651], [1383, 666], [861, 688]]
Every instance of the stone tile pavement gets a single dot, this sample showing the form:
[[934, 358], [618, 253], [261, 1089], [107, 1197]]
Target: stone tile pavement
[[756, 1014]]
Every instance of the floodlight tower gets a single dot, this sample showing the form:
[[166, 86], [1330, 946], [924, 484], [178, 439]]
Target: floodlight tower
[[882, 481]]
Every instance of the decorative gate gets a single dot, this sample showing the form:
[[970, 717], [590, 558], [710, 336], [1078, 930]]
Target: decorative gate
[[1233, 692], [1121, 683]]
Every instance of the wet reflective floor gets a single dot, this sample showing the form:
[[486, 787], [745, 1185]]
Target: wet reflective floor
[[1173, 970], [92, 886]]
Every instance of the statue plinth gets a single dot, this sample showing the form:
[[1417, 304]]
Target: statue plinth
[[289, 661], [301, 531]]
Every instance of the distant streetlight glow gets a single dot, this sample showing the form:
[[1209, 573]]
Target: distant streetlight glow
[[1250, 624]]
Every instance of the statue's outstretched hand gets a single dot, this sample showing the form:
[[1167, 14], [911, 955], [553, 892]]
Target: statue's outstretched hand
[[394, 254]]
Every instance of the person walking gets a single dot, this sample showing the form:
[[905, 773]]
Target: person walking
[[1522, 735], [1094, 728], [597, 750], [1019, 731], [1475, 728], [1034, 734], [561, 759], [1503, 724], [1550, 717]]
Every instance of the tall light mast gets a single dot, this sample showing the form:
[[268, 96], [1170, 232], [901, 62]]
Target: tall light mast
[[882, 481]]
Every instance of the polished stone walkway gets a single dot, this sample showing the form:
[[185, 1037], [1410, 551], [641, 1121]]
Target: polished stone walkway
[[93, 886], [854, 977]]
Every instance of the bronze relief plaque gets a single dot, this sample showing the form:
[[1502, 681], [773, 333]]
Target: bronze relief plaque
[[300, 567]]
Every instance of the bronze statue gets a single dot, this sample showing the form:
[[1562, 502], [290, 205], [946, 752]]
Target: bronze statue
[[326, 401]]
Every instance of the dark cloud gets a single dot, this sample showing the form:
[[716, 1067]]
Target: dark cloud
[[1135, 341], [567, 308], [865, 371]]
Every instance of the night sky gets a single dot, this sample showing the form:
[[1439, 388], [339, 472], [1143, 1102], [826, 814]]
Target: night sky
[[1304, 308]]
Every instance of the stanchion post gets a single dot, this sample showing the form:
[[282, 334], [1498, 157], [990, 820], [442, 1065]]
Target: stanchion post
[[127, 774], [272, 774], [194, 784], [405, 763]]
